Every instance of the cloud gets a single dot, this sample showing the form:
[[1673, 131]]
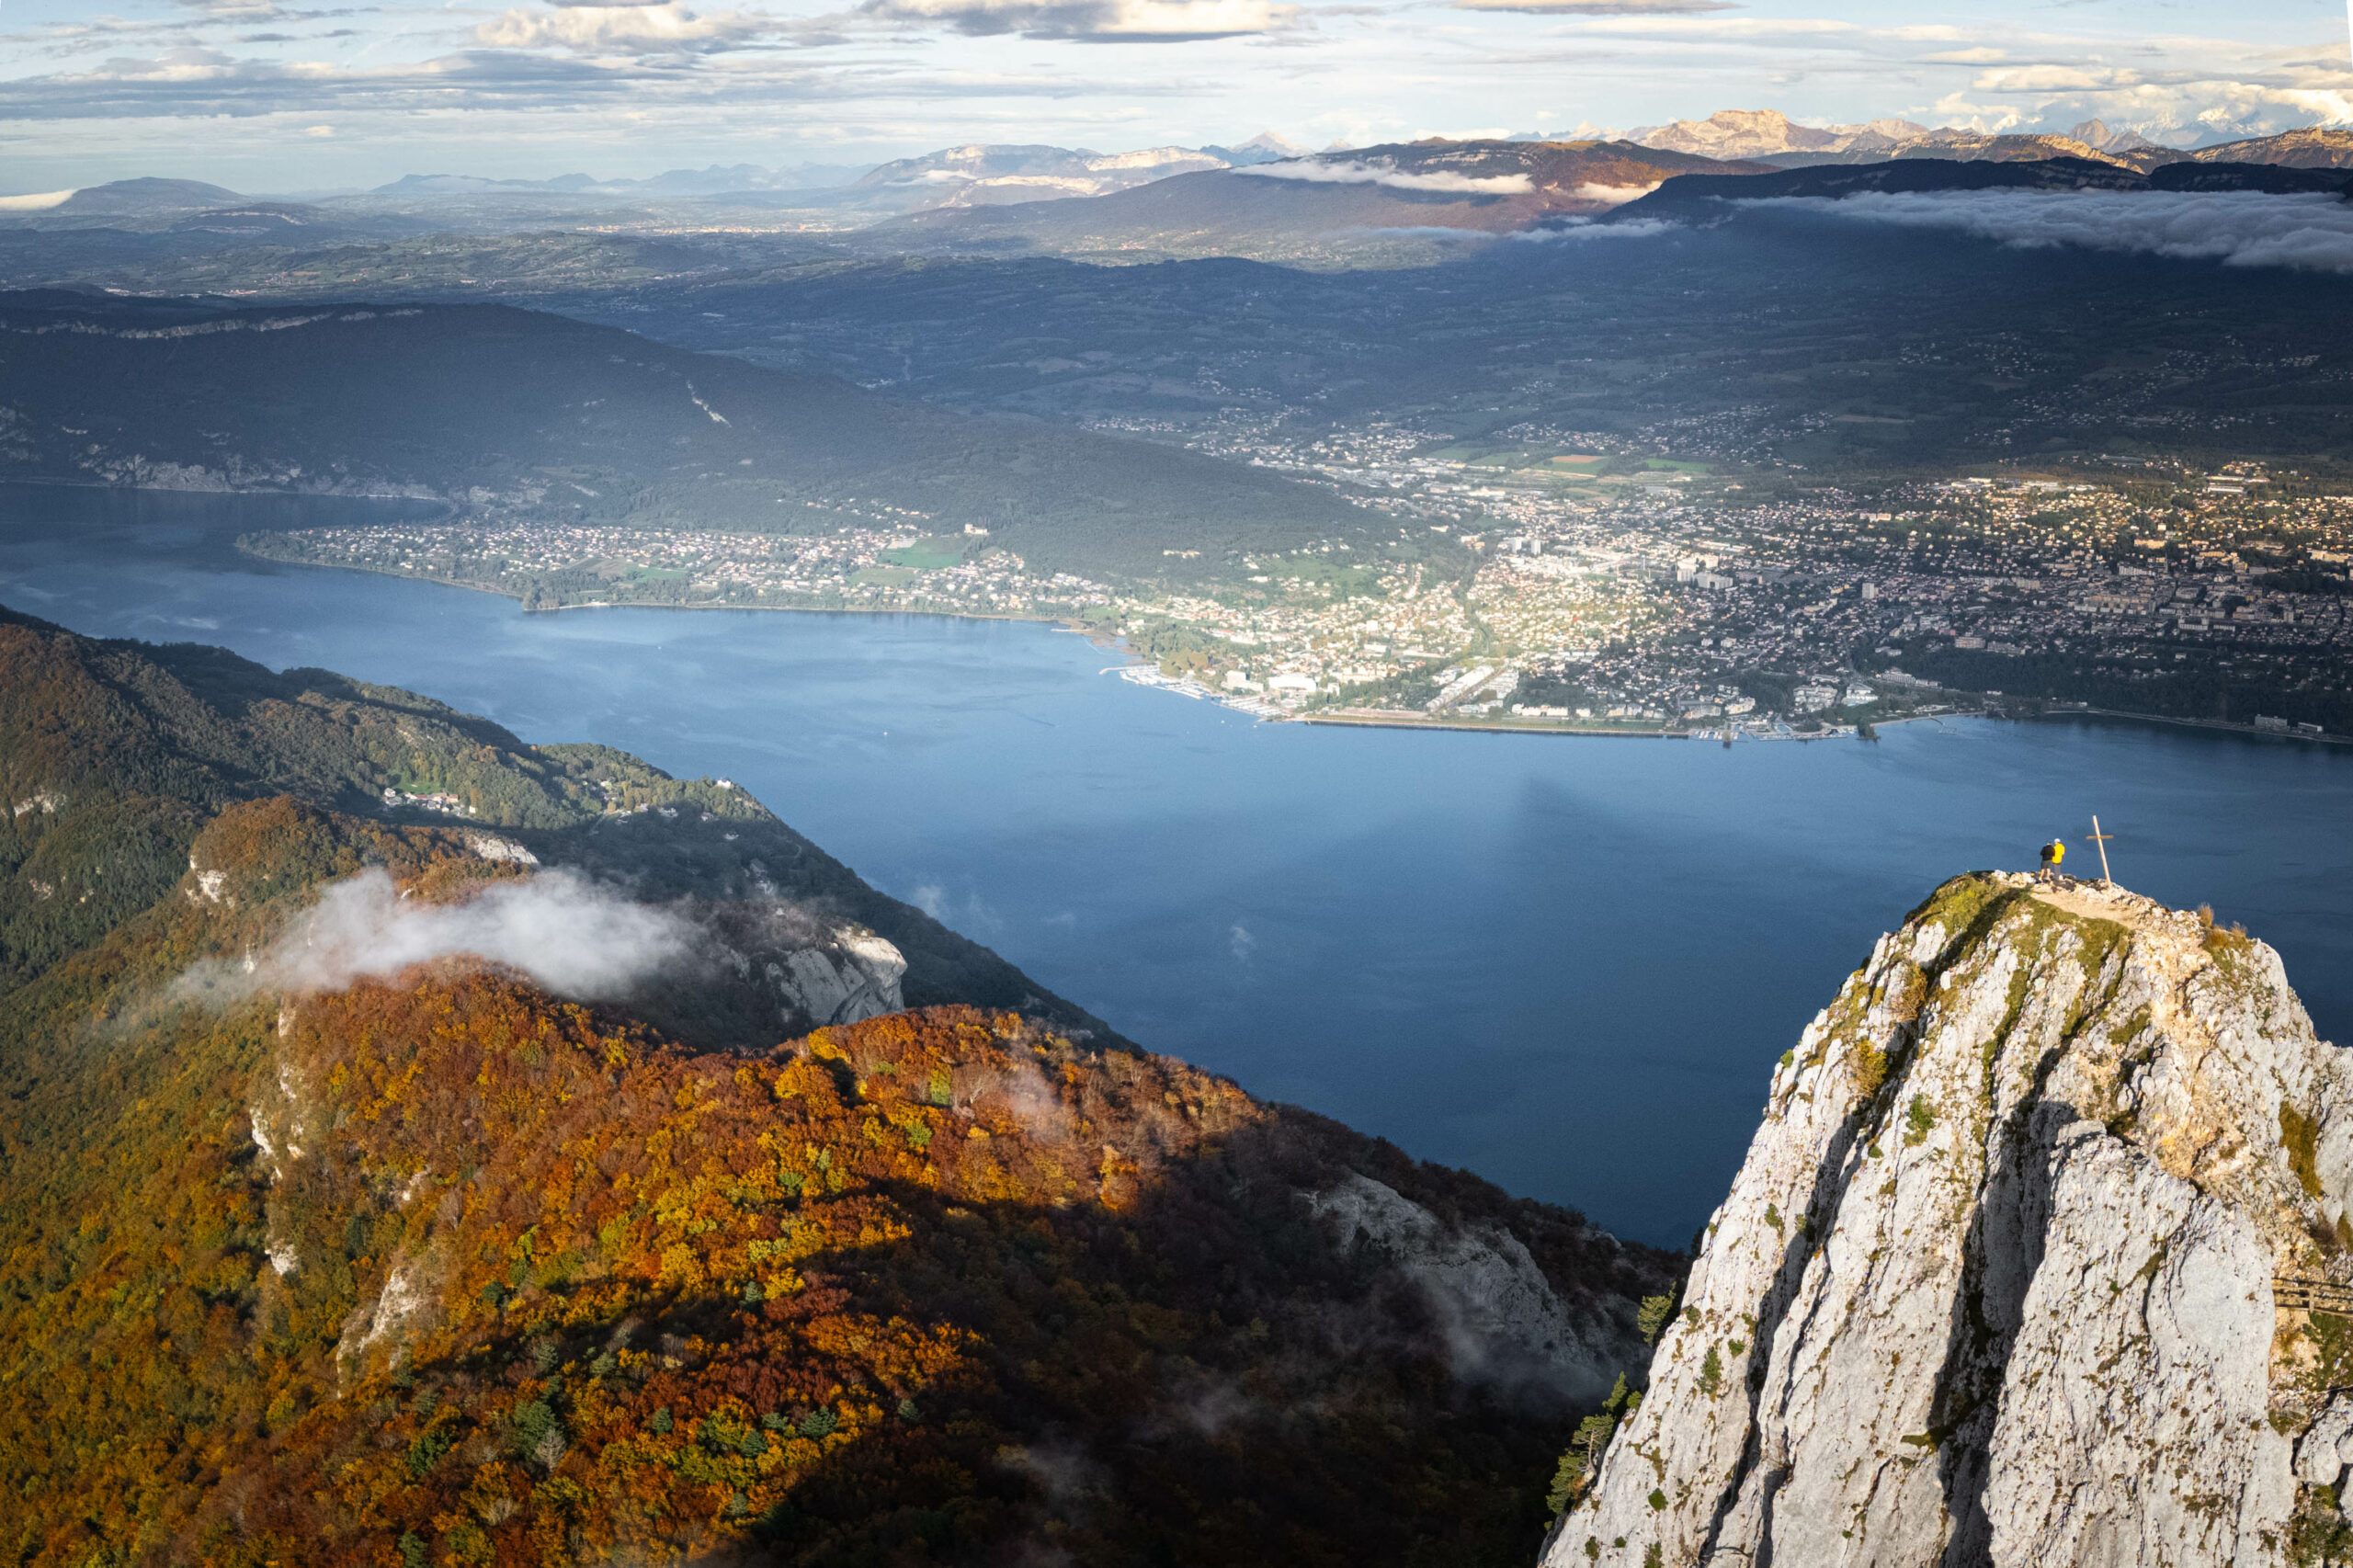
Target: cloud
[[496, 84], [1102, 21], [2235, 228], [564, 932], [1615, 194], [1638, 229], [640, 26], [1600, 7], [1350, 172]]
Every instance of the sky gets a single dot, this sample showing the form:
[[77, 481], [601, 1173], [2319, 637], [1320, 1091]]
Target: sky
[[268, 96]]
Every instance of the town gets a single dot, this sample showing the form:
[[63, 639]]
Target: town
[[1588, 588]]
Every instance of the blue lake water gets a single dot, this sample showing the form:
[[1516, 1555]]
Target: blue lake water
[[1566, 964]]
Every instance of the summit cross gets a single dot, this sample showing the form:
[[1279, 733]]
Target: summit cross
[[2101, 839]]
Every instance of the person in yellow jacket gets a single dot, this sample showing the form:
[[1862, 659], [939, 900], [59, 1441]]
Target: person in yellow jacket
[[2054, 853]]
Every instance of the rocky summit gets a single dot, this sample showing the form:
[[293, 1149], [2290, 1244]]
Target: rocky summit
[[2039, 1257]]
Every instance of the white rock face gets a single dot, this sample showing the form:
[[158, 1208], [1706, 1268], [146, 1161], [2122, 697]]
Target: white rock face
[[1994, 1284], [1504, 1322], [490, 846], [854, 978]]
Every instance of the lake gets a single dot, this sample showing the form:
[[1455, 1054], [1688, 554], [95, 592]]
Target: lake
[[1567, 964]]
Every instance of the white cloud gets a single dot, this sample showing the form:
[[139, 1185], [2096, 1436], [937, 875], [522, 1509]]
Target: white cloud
[[1578, 230], [1614, 195], [1350, 172], [588, 30], [2235, 228], [567, 934], [1119, 21]]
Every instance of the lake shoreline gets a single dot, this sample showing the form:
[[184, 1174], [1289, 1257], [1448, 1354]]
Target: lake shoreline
[[1335, 721]]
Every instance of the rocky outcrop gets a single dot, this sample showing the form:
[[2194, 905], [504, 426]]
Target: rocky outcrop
[[1504, 1323], [853, 977], [1996, 1284]]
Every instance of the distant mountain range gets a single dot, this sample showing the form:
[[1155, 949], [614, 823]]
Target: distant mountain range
[[1320, 206], [1772, 137], [1407, 203], [971, 175]]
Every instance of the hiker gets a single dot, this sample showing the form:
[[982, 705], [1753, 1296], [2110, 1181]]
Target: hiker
[[2052, 854]]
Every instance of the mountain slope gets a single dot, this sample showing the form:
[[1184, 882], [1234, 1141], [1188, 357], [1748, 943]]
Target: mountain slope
[[2039, 1257], [2314, 147], [425, 1264], [518, 414], [1323, 207], [115, 756]]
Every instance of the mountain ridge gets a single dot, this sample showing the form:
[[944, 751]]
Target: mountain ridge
[[1996, 1281], [114, 754], [509, 413], [1768, 135], [1316, 210]]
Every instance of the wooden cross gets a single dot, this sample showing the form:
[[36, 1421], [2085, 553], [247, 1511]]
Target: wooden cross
[[2101, 839]]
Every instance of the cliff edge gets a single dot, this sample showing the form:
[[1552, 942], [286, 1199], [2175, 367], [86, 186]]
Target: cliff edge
[[2029, 1263]]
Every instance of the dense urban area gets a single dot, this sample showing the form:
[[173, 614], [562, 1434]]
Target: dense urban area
[[1558, 580]]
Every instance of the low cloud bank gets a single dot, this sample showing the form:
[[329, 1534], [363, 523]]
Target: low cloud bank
[[2235, 228], [1350, 172], [567, 934], [1584, 228], [1614, 195]]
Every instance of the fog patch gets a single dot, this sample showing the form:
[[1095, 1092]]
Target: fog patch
[[1209, 1408], [2236, 228], [1061, 1470], [1586, 229], [566, 932], [1614, 195], [1352, 171]]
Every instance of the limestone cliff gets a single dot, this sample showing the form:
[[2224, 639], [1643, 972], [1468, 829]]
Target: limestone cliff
[[2022, 1268]]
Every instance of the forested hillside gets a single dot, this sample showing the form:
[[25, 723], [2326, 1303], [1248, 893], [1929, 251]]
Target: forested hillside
[[514, 414], [433, 1265], [113, 755]]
